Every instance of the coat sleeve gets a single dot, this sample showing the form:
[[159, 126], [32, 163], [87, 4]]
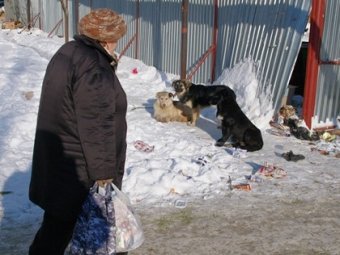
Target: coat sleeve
[[94, 101]]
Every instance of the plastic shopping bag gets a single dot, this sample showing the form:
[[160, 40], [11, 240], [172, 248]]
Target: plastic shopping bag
[[107, 224]]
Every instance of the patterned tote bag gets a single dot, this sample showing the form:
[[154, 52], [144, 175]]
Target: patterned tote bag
[[107, 224]]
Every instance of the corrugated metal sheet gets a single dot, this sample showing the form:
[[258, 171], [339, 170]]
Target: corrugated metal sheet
[[200, 38], [16, 10], [159, 36], [327, 107], [50, 19], [150, 33], [128, 10], [269, 32], [170, 36]]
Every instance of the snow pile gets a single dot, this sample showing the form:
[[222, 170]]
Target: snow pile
[[255, 102]]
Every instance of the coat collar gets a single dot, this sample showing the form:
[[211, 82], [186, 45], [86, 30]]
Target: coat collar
[[95, 44]]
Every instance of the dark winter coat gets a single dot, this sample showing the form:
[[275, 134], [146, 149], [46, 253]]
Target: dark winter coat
[[81, 128]]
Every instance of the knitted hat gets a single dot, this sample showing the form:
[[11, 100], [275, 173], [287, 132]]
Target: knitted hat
[[103, 25]]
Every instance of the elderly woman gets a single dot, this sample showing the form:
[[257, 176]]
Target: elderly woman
[[81, 128]]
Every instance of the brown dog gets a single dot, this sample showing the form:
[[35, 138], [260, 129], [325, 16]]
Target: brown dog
[[200, 96], [287, 112], [166, 110]]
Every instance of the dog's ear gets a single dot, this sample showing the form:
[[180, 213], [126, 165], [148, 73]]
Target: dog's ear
[[187, 83], [282, 110], [171, 95], [174, 83], [160, 94]]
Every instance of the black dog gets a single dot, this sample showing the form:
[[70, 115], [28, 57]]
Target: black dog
[[235, 124], [300, 132], [200, 96]]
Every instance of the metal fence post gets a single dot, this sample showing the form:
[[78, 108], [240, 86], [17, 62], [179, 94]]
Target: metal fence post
[[184, 38], [28, 3], [137, 30], [313, 59], [215, 34]]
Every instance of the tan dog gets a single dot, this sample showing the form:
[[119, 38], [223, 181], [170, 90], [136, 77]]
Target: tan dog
[[286, 112], [280, 119], [167, 110]]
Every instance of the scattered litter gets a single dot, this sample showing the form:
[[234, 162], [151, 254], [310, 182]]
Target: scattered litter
[[5, 192], [28, 95], [142, 146], [202, 160], [239, 184], [229, 182], [327, 148], [180, 203], [328, 137], [278, 132], [335, 131], [134, 71], [322, 152], [238, 153], [290, 156], [184, 174], [254, 178], [278, 125], [269, 170], [242, 186], [173, 192]]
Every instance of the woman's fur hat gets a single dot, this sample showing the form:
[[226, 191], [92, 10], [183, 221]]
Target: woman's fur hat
[[103, 25]]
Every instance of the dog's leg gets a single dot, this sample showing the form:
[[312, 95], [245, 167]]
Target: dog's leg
[[220, 142], [186, 111], [248, 147], [239, 145], [190, 121], [164, 119], [195, 115], [226, 132], [219, 121]]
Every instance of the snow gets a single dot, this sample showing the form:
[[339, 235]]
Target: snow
[[184, 164]]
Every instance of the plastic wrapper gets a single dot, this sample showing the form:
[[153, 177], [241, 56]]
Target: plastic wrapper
[[129, 233]]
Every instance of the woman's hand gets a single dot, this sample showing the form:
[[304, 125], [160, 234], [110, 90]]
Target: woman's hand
[[102, 183]]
